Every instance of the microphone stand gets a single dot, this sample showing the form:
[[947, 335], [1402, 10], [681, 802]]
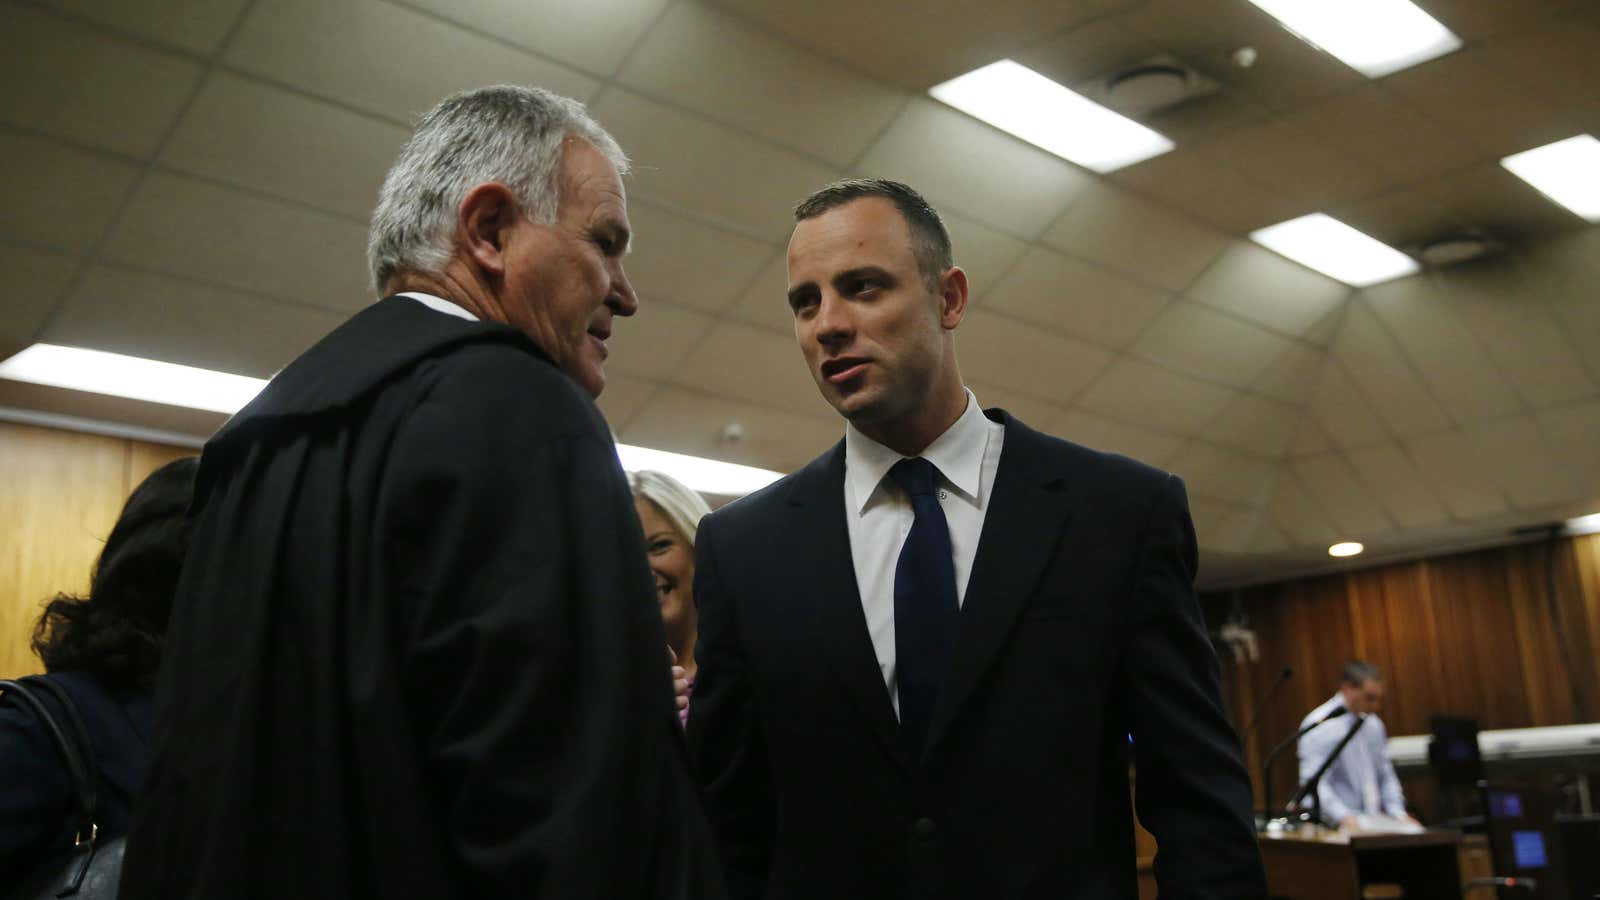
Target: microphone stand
[[1272, 757], [1311, 785]]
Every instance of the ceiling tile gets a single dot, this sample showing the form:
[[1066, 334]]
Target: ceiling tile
[[656, 341], [195, 25], [1255, 424], [1555, 60], [92, 187], [1200, 341], [1492, 199], [1279, 155], [591, 36], [1397, 484], [1333, 484], [1405, 218], [1474, 20], [1375, 126], [1211, 471], [365, 53], [1086, 52], [1268, 539], [1466, 93], [1123, 230], [1343, 412], [74, 82], [1457, 474], [716, 64], [918, 43], [997, 350], [1422, 314], [1309, 439], [201, 231], [1031, 412], [1076, 298], [677, 157], [1209, 190], [959, 162], [1294, 375], [37, 279], [1382, 374], [1100, 433], [765, 302], [985, 254], [1566, 270], [739, 362], [684, 421], [1572, 433], [1303, 520], [157, 317], [1221, 527], [1135, 391], [688, 263], [1519, 461], [1266, 288], [1525, 341], [623, 398], [247, 133]]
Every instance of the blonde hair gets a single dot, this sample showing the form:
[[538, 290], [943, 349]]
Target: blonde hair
[[682, 506]]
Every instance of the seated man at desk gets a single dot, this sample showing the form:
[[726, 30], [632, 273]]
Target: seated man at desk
[[1360, 790]]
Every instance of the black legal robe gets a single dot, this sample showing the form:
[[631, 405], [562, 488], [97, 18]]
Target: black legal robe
[[415, 650]]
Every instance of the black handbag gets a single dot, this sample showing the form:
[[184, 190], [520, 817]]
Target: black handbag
[[89, 868]]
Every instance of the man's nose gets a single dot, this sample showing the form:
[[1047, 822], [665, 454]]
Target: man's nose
[[622, 300]]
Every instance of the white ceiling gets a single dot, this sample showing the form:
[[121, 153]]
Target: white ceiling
[[190, 180]]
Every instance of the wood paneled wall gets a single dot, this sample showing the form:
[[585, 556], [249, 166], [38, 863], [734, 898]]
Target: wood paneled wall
[[1475, 634], [60, 492]]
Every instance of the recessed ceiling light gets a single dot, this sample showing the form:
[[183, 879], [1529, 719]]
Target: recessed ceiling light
[[1374, 37], [1335, 249], [1021, 102], [1589, 524], [1346, 548], [99, 372], [1566, 171]]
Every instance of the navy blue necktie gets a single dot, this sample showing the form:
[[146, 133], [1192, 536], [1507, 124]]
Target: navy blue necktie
[[925, 608]]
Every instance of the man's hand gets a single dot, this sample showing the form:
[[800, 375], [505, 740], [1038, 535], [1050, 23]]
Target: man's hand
[[1350, 823]]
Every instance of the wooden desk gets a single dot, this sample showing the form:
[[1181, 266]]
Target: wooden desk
[[1330, 865]]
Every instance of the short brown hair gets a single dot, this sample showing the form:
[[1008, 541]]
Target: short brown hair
[[930, 242]]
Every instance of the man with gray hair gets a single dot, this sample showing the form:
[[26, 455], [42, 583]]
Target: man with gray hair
[[415, 649]]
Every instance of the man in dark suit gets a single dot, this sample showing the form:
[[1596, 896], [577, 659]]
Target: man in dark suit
[[922, 655], [415, 650]]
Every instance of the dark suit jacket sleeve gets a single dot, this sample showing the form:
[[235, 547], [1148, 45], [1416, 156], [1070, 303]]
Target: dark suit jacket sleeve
[[725, 736], [1193, 793], [536, 673]]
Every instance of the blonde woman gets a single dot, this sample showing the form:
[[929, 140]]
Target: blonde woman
[[669, 513]]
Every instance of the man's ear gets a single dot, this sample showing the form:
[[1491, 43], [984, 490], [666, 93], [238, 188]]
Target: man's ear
[[952, 297], [485, 216]]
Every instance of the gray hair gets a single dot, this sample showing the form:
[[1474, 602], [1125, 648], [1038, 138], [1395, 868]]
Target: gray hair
[[513, 135], [1357, 672], [677, 501]]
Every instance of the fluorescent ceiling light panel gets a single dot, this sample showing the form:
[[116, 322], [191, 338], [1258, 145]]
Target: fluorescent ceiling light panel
[[1346, 548], [1333, 248], [1589, 524], [1567, 172], [99, 372], [1020, 101], [1374, 37], [709, 476]]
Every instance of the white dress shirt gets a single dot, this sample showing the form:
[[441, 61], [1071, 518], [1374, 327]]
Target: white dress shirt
[[879, 515], [440, 304]]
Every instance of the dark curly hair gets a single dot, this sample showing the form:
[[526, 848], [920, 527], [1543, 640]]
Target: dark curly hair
[[114, 634]]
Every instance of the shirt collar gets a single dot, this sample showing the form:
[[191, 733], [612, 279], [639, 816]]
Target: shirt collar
[[440, 304], [957, 454]]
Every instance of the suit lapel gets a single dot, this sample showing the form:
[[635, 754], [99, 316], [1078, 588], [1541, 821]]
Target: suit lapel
[[826, 584], [1023, 524]]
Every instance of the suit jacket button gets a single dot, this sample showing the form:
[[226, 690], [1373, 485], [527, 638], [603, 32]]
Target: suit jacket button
[[924, 828]]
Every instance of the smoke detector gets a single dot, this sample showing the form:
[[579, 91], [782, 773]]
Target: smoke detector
[[1149, 86]]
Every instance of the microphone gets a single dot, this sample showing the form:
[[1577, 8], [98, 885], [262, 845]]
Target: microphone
[[1266, 767], [1266, 700]]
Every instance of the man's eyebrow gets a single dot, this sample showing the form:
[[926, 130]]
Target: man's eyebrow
[[862, 272]]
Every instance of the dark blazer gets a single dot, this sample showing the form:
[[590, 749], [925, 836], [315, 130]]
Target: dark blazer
[[415, 650], [1079, 628]]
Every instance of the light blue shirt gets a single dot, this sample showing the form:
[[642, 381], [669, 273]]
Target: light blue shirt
[[1362, 780]]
